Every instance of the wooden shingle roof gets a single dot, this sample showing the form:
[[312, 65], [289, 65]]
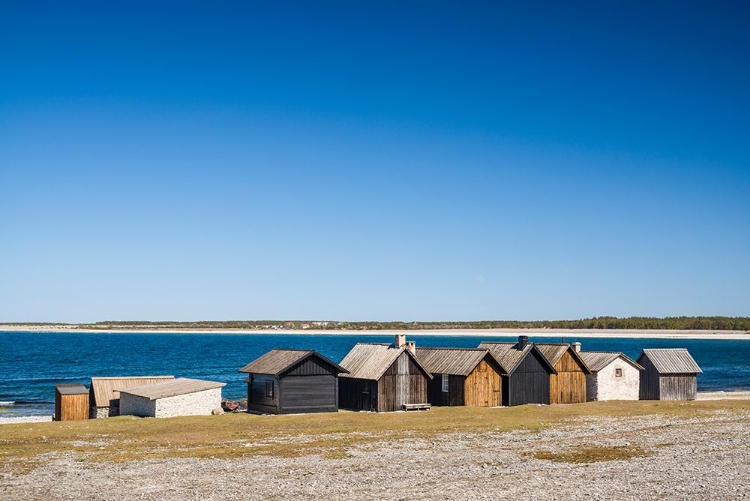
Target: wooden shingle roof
[[510, 357], [453, 361], [106, 389], [598, 360], [671, 361], [371, 360], [553, 352], [174, 387], [280, 360]]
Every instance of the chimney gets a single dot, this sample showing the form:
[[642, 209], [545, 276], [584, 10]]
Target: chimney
[[576, 346], [400, 340], [522, 342], [412, 347]]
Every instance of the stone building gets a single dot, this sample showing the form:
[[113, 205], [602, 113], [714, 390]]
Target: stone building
[[178, 397]]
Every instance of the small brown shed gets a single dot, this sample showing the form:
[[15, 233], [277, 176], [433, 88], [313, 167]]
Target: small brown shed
[[669, 374], [383, 378], [568, 384], [71, 402], [462, 376]]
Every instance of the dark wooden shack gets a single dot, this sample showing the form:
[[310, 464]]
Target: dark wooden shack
[[462, 376], [383, 378], [567, 385], [525, 372], [668, 374], [292, 381], [71, 402]]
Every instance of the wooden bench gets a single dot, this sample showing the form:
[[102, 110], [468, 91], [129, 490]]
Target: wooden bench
[[416, 407]]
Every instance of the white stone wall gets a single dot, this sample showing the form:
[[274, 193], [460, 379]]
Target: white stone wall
[[131, 405], [191, 404], [604, 385]]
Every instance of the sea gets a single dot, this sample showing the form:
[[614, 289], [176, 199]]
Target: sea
[[32, 363]]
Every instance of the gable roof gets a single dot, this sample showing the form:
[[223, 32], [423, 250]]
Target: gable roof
[[174, 387], [555, 351], [453, 361], [371, 360], [598, 360], [280, 360], [671, 361], [510, 357], [105, 389]]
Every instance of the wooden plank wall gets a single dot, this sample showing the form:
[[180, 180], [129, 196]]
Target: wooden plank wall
[[402, 383], [73, 407], [358, 394], [256, 394], [649, 380], [529, 383], [678, 387], [308, 394], [568, 386], [483, 387]]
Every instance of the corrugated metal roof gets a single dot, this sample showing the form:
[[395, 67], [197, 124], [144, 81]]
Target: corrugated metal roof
[[453, 361], [179, 386], [106, 388], [671, 361], [279, 360], [370, 361], [598, 360]]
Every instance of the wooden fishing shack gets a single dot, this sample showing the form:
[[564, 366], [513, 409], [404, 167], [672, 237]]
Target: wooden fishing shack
[[462, 376], [71, 402], [292, 381], [668, 374], [525, 372], [383, 378], [567, 385]]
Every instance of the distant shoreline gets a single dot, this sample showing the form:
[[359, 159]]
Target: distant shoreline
[[561, 333]]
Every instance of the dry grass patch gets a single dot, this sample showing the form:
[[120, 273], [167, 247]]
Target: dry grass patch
[[594, 454], [329, 435]]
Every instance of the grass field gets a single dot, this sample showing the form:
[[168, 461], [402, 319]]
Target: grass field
[[239, 435]]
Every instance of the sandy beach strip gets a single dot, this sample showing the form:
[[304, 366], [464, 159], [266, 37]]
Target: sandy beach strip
[[532, 333]]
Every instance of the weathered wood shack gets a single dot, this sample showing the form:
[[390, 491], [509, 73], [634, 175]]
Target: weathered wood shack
[[176, 397], [524, 370], [668, 374], [614, 376], [383, 378], [292, 381], [71, 402], [567, 385], [462, 376]]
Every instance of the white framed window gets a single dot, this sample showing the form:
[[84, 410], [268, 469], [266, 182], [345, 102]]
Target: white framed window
[[446, 383], [618, 372]]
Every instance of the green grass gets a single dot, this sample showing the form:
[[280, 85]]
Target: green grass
[[24, 446]]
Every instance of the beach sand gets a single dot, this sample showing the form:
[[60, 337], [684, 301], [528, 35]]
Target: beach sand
[[556, 333]]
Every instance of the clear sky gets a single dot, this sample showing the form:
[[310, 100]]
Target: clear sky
[[373, 160]]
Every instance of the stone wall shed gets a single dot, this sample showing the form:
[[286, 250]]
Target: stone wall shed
[[178, 397], [668, 374], [104, 395], [292, 381], [614, 376]]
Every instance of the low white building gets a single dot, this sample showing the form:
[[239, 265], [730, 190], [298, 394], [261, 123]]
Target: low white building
[[613, 376], [177, 397]]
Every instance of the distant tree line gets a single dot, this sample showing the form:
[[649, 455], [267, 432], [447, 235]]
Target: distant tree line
[[652, 323]]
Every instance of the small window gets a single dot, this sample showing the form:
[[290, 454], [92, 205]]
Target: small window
[[445, 383], [618, 372], [269, 389]]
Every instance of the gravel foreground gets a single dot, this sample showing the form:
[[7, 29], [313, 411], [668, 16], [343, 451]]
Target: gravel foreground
[[706, 458]]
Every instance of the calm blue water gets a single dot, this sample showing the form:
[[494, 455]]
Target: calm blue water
[[31, 364]]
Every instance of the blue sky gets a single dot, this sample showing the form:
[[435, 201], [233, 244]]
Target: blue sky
[[373, 161]]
